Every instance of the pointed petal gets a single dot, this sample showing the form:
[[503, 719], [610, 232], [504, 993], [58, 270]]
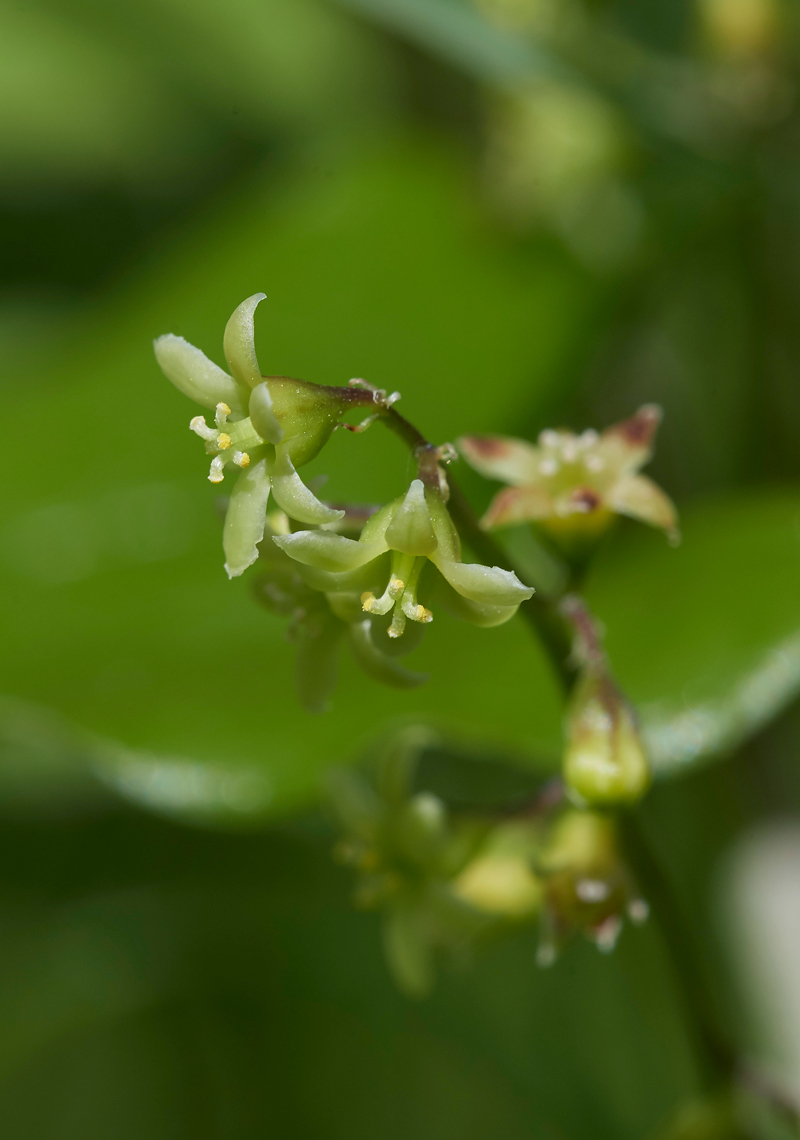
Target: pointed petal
[[386, 670], [262, 416], [517, 505], [239, 342], [195, 375], [628, 445], [476, 613], [411, 529], [501, 457], [328, 551], [245, 519], [489, 584], [315, 669], [294, 497], [641, 498]]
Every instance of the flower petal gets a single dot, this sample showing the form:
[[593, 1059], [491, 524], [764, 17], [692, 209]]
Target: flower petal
[[641, 498], [239, 342], [294, 497], [195, 375], [489, 584], [501, 457], [411, 529], [328, 551], [377, 665], [476, 613], [245, 519], [518, 505], [628, 445]]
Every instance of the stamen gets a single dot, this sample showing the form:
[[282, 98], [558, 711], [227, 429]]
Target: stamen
[[412, 609], [241, 458], [372, 605], [217, 473], [397, 628], [221, 415], [395, 587], [199, 426], [223, 441]]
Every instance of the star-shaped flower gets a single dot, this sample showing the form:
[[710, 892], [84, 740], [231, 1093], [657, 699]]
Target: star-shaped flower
[[414, 529], [567, 475], [267, 427]]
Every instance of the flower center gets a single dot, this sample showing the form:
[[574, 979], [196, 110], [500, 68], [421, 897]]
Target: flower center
[[226, 442], [400, 594]]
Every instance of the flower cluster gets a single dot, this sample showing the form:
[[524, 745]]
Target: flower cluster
[[447, 883], [369, 589]]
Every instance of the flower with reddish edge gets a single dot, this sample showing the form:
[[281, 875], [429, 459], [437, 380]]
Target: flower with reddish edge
[[566, 478]]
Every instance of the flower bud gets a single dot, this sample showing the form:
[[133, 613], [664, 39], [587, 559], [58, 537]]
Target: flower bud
[[500, 879], [604, 761]]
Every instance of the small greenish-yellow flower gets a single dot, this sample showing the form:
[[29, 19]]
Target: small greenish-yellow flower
[[567, 479], [414, 530], [321, 623], [264, 427]]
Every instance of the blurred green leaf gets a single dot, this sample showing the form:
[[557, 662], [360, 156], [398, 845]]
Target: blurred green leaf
[[706, 638], [461, 35], [190, 985]]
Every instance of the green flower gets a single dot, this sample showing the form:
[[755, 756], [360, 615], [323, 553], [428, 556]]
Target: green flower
[[320, 624], [265, 427], [413, 531]]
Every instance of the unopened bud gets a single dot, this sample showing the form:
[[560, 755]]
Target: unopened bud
[[604, 761], [500, 884]]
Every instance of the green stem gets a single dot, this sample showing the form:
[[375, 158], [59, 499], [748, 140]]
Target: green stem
[[717, 1059]]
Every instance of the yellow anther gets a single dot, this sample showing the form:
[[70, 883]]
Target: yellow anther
[[241, 459], [223, 441], [367, 601], [396, 587], [224, 409]]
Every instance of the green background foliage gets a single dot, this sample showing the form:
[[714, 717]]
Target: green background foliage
[[179, 957]]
